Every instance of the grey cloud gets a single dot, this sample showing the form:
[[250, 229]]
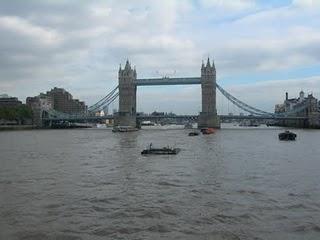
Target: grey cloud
[[79, 44]]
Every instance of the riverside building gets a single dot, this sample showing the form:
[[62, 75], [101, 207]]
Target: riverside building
[[7, 101], [64, 102]]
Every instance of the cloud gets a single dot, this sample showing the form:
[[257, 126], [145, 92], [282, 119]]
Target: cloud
[[26, 29], [298, 47], [275, 39], [79, 45], [306, 3], [235, 5]]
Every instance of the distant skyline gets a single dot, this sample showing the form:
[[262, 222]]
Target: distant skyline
[[261, 48]]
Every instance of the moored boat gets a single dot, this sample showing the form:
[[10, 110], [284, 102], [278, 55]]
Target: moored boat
[[287, 136], [162, 151]]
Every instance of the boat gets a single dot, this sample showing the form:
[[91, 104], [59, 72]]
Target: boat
[[162, 151], [287, 136], [124, 129], [193, 134], [99, 125], [207, 130], [147, 123]]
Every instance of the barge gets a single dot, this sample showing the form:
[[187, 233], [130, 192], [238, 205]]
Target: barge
[[287, 136], [160, 151]]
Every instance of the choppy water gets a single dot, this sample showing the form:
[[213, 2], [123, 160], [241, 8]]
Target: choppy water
[[94, 184]]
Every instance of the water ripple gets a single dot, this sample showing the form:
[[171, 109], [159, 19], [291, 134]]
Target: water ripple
[[90, 184]]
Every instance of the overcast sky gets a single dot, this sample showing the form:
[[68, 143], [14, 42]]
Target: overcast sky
[[261, 48]]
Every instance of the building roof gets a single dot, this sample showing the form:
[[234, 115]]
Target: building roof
[[4, 95]]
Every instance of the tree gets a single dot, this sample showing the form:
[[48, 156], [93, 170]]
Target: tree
[[18, 113]]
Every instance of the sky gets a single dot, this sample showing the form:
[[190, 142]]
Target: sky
[[261, 48]]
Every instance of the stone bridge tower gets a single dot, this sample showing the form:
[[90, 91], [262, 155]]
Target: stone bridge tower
[[208, 116], [127, 97]]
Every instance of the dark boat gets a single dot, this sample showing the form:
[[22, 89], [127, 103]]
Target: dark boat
[[193, 134], [164, 150], [287, 136]]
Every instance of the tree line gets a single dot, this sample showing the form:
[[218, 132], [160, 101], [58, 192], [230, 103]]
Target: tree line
[[16, 113]]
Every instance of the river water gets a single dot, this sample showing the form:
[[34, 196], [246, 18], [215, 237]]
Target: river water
[[94, 184]]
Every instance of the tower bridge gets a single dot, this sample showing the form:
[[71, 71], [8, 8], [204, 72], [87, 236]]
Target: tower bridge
[[128, 84], [126, 91]]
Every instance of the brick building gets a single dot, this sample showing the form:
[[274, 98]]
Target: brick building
[[64, 102]]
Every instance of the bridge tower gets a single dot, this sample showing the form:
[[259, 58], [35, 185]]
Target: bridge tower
[[208, 116], [127, 97]]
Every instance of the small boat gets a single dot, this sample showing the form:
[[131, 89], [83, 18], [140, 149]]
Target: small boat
[[147, 123], [207, 130], [162, 151], [99, 125], [193, 134], [287, 136]]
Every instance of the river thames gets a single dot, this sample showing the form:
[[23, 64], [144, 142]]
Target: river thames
[[94, 184]]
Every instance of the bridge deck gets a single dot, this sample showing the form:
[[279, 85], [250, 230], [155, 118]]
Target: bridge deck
[[168, 81]]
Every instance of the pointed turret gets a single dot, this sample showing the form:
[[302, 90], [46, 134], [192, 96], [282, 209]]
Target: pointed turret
[[208, 63], [134, 72], [120, 68], [213, 65], [127, 67], [301, 94]]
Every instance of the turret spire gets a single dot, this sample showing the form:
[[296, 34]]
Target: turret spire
[[127, 67], [208, 62], [202, 66], [134, 71]]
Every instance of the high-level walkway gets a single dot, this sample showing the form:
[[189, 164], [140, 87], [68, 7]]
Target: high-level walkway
[[167, 81]]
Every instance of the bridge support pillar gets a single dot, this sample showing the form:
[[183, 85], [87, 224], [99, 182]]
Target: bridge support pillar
[[126, 117], [208, 117], [207, 120]]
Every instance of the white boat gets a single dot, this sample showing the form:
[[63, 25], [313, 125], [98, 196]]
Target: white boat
[[99, 125], [147, 123]]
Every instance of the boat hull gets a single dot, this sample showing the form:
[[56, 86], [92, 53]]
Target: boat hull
[[161, 151], [193, 134], [207, 131], [287, 136]]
